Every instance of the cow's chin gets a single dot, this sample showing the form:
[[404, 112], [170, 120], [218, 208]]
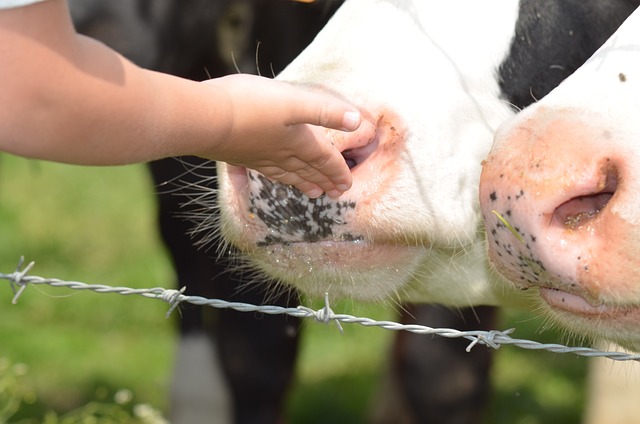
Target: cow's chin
[[616, 323], [343, 269]]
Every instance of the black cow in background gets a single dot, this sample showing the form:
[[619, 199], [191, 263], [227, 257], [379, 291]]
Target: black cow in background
[[201, 39], [198, 39]]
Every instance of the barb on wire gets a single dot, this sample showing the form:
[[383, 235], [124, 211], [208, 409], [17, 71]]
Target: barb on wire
[[19, 280], [172, 297], [324, 315], [17, 285]]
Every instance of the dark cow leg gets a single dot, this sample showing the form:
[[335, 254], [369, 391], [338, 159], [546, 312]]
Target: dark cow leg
[[437, 380], [259, 367], [443, 382], [255, 357], [256, 353]]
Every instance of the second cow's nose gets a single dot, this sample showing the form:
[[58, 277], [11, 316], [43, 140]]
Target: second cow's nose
[[551, 192]]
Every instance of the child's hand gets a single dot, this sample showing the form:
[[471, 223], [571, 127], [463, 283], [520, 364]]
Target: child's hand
[[271, 131]]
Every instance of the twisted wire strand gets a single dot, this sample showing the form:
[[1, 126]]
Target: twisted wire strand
[[19, 280]]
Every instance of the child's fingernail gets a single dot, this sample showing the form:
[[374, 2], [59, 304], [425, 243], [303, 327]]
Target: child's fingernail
[[343, 187], [334, 194], [351, 120], [314, 192]]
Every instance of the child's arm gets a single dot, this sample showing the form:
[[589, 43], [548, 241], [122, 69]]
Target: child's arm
[[69, 98]]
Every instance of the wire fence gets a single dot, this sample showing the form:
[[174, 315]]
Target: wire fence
[[19, 280]]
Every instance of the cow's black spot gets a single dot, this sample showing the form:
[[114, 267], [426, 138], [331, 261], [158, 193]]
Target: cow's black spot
[[543, 52]]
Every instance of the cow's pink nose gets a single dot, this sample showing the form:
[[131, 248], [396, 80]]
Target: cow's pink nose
[[552, 192]]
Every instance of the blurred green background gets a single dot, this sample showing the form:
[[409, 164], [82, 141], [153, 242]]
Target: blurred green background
[[61, 350]]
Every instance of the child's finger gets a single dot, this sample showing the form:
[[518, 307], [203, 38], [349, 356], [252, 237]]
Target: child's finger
[[312, 183], [326, 111]]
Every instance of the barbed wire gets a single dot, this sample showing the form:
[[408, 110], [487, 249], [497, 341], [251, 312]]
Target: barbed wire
[[19, 280]]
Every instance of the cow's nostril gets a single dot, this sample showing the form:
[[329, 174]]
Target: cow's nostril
[[578, 211], [351, 163], [354, 157]]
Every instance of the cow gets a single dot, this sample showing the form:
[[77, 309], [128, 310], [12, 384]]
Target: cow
[[559, 202], [282, 30], [231, 367], [562, 175]]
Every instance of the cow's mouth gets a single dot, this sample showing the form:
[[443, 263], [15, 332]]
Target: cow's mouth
[[354, 269], [576, 304], [306, 238], [351, 254], [570, 302]]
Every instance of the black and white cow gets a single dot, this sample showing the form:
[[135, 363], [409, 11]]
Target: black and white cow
[[564, 174], [231, 367]]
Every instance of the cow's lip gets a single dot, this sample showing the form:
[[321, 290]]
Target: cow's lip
[[317, 268], [570, 302], [576, 304], [336, 242], [333, 254]]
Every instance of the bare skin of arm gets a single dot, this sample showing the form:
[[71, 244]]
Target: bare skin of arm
[[68, 98]]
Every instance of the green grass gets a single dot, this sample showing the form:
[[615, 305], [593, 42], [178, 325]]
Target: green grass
[[97, 225], [93, 225]]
